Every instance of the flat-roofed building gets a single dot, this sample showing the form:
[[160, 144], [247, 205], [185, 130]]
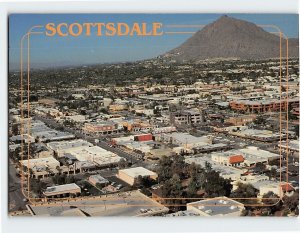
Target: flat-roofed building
[[136, 125], [217, 207], [186, 117], [291, 145], [98, 180], [62, 190], [130, 175], [186, 140], [19, 138], [47, 161], [241, 120], [257, 106], [40, 167], [227, 172], [102, 128], [132, 203], [255, 134], [96, 155], [244, 157], [278, 188], [62, 146]]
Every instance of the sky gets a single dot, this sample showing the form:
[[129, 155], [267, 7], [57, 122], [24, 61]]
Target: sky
[[49, 52]]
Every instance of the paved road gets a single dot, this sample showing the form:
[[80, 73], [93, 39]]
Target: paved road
[[15, 195]]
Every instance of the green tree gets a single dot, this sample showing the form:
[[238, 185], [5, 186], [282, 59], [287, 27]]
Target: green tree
[[245, 191]]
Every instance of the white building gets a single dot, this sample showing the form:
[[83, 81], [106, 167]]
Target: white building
[[61, 147], [62, 190], [217, 207], [94, 154], [130, 175]]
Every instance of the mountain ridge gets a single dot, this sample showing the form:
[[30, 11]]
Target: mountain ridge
[[228, 37]]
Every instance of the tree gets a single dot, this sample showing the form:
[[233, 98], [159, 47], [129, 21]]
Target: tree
[[245, 191], [217, 186], [272, 203], [296, 130], [260, 167], [15, 129], [163, 170], [291, 203], [172, 189], [192, 187], [122, 163], [208, 166]]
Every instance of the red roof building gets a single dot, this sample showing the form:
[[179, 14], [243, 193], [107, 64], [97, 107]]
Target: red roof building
[[236, 159]]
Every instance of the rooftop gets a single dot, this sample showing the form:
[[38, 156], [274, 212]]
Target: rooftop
[[138, 171], [217, 206], [61, 188], [121, 204]]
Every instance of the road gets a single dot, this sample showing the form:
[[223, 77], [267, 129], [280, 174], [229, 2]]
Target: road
[[15, 195]]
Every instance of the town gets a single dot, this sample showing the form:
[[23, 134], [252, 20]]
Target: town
[[156, 138]]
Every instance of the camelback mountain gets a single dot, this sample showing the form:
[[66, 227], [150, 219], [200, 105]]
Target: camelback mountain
[[229, 38]]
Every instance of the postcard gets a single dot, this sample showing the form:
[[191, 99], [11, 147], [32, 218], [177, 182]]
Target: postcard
[[167, 115]]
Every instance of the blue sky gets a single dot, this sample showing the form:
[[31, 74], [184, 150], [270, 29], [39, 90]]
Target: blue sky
[[57, 51]]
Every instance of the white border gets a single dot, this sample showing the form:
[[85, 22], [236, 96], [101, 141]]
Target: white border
[[121, 224]]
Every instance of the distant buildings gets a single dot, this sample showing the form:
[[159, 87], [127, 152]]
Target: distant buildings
[[241, 120], [43, 133], [102, 128], [292, 145], [186, 140], [262, 106], [253, 134], [186, 117]]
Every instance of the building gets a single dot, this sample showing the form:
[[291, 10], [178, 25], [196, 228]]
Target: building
[[43, 133], [227, 172], [131, 175], [61, 147], [143, 137], [257, 106], [39, 162], [125, 204], [136, 125], [64, 190], [278, 188], [40, 167], [98, 180], [240, 120], [216, 207], [102, 128], [228, 160], [244, 157], [186, 117], [19, 138], [292, 145], [255, 134], [95, 154], [186, 140]]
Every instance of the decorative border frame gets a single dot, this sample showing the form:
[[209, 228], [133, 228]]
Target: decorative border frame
[[32, 200]]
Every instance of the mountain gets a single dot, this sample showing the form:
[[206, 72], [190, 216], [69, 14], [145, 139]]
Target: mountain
[[228, 37]]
